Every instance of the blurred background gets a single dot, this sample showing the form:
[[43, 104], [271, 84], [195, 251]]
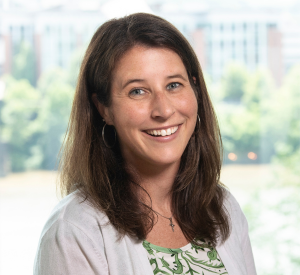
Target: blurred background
[[250, 55]]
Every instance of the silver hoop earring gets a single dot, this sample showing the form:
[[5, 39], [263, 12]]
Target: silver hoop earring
[[197, 129], [199, 120], [103, 137]]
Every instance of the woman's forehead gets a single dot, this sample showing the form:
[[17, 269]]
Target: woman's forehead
[[141, 62]]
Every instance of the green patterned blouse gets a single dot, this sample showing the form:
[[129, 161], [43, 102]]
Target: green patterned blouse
[[190, 259]]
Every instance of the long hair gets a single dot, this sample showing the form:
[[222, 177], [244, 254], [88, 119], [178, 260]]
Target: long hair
[[100, 173]]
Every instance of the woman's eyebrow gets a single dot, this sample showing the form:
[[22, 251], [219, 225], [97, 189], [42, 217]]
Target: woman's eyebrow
[[177, 76], [131, 81]]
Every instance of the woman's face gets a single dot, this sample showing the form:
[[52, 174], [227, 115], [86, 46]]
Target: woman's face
[[154, 108]]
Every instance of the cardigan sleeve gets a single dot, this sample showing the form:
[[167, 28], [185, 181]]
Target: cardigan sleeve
[[241, 231], [65, 249], [246, 246]]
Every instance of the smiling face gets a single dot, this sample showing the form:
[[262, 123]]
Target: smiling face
[[153, 106]]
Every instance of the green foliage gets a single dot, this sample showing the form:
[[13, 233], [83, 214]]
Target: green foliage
[[20, 129], [23, 66], [261, 119], [276, 206], [258, 87], [290, 108], [54, 114], [35, 120], [286, 115], [233, 82], [243, 123], [240, 131]]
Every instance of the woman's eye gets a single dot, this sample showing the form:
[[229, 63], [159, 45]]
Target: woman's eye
[[173, 86], [136, 92]]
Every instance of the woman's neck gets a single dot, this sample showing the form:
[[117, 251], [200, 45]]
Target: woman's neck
[[158, 181]]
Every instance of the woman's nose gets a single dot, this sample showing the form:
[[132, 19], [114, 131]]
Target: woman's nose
[[162, 106]]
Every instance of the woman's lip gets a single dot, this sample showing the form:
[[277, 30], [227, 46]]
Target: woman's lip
[[162, 128], [164, 138]]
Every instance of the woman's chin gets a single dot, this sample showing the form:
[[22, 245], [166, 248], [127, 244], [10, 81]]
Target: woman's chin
[[164, 160]]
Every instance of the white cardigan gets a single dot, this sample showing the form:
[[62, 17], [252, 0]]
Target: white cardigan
[[78, 240]]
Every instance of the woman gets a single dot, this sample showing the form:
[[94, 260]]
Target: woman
[[141, 165]]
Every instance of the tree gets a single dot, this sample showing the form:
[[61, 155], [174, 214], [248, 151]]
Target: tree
[[258, 98], [35, 120], [286, 114], [24, 66], [57, 96], [233, 82], [20, 130], [242, 123], [280, 201]]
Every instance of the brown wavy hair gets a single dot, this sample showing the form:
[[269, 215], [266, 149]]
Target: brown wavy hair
[[100, 173]]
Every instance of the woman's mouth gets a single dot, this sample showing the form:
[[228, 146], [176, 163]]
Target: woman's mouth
[[163, 132]]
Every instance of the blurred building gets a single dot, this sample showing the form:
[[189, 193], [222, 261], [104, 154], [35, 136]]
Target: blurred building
[[54, 34], [289, 25], [245, 37], [219, 35]]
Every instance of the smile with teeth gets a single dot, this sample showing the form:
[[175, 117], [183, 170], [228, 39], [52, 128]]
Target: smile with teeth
[[164, 132]]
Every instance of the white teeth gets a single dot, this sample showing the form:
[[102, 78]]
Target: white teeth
[[174, 129], [164, 132]]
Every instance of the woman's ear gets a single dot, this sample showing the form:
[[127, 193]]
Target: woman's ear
[[103, 110]]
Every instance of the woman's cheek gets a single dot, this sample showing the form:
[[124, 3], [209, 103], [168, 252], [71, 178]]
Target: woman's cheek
[[188, 105]]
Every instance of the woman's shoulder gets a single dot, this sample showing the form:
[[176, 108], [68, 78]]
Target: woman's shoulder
[[230, 202], [73, 230], [237, 246], [75, 212], [236, 216], [78, 239]]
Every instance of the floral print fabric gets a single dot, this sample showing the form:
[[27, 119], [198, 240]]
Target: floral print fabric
[[191, 259]]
